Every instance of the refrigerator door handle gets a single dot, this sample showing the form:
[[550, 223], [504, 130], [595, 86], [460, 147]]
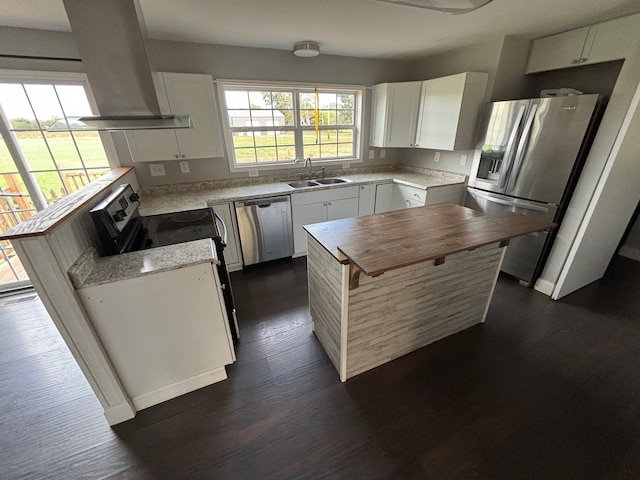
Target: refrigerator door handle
[[508, 153], [511, 203], [522, 148]]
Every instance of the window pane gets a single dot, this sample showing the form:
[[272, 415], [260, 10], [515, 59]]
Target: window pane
[[63, 149], [74, 100], [16, 107], [35, 150], [74, 179], [45, 104], [286, 153], [345, 135], [11, 270], [309, 137], [345, 117], [260, 100], [267, 154], [329, 151], [245, 155], [327, 100], [237, 99], [242, 139], [265, 139], [51, 186], [285, 139], [306, 117], [91, 149], [307, 100], [312, 151]]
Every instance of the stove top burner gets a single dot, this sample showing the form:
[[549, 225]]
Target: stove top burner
[[190, 216]]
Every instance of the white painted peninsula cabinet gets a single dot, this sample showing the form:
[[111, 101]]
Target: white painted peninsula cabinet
[[181, 93]]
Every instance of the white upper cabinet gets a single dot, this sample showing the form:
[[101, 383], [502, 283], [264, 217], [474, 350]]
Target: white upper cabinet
[[438, 114], [182, 93], [449, 108], [394, 114], [598, 43]]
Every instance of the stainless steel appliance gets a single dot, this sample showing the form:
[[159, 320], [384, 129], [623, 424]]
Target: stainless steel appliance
[[121, 229], [531, 156], [265, 228]]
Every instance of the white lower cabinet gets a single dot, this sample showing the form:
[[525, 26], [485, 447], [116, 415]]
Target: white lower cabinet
[[384, 196], [232, 253], [406, 196], [396, 196], [157, 350], [366, 199], [320, 206], [446, 193]]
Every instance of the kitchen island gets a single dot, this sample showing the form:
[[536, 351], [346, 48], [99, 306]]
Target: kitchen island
[[381, 286]]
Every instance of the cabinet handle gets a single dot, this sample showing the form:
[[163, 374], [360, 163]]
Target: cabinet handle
[[328, 203], [416, 195], [177, 156], [416, 145], [183, 155], [574, 61], [582, 60]]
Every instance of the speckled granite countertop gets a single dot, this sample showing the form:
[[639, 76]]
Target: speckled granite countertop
[[165, 200], [91, 270]]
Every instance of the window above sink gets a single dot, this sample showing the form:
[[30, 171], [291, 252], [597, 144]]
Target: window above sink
[[278, 125]]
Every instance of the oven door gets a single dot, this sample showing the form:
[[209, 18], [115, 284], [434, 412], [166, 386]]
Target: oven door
[[220, 241]]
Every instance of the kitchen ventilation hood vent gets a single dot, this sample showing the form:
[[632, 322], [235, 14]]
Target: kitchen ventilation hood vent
[[110, 38]]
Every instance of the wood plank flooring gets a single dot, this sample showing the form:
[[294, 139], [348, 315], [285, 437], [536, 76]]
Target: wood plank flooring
[[543, 389]]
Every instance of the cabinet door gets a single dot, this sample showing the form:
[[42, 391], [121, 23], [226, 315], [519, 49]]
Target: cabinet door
[[557, 51], [384, 201], [232, 252], [609, 41], [446, 193], [344, 208], [153, 145], [305, 215], [449, 108], [193, 94], [394, 114], [366, 200]]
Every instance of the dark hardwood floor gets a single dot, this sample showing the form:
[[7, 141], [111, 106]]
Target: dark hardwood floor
[[543, 389]]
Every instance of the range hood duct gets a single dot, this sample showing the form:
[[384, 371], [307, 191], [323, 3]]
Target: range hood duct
[[110, 38]]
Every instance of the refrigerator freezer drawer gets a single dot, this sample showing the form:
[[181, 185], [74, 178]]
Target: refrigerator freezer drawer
[[524, 254]]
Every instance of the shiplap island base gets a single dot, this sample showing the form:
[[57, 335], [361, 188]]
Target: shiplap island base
[[384, 285]]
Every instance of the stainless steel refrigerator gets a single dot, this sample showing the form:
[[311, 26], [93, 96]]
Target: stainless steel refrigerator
[[530, 158]]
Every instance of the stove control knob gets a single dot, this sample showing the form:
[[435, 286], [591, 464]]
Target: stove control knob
[[119, 215], [134, 197]]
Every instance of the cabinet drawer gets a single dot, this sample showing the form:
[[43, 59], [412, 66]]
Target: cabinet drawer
[[304, 198]]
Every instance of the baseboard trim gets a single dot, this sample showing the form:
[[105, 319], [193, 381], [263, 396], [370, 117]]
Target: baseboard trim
[[630, 252], [119, 413], [180, 388], [544, 286]]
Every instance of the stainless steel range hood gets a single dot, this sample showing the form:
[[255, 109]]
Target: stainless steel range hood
[[110, 38]]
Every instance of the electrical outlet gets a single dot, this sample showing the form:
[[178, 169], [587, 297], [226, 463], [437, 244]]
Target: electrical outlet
[[157, 170], [463, 160], [371, 154], [253, 173], [184, 167], [383, 153], [436, 157]]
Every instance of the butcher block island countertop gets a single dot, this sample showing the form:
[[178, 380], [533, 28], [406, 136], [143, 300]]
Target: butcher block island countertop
[[383, 285]]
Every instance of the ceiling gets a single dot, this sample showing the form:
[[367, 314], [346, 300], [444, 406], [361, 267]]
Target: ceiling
[[359, 28]]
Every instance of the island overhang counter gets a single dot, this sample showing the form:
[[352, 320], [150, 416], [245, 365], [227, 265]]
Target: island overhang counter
[[384, 285]]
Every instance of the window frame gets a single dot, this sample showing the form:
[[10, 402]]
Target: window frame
[[295, 88]]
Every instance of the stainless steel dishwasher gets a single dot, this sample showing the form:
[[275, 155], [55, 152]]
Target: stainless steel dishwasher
[[266, 230]]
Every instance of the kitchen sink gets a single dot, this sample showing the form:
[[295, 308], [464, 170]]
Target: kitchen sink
[[318, 182], [332, 181], [303, 184]]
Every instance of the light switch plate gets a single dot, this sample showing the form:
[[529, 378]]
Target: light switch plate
[[371, 154], [383, 153], [184, 167], [436, 157], [463, 160], [157, 170], [253, 173]]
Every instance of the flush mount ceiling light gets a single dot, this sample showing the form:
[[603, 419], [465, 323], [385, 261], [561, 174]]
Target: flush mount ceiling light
[[447, 6], [306, 49]]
